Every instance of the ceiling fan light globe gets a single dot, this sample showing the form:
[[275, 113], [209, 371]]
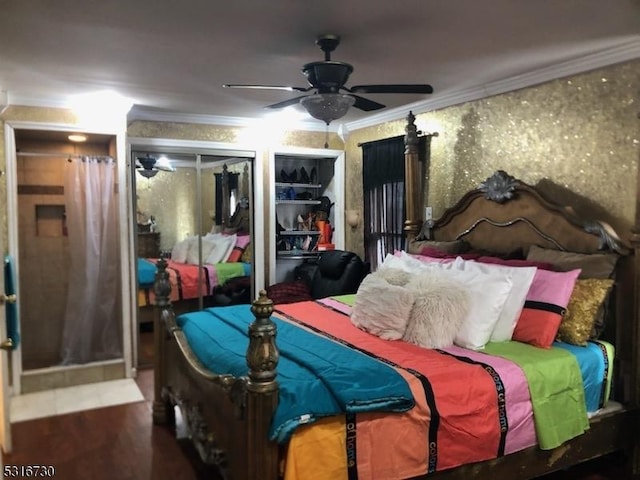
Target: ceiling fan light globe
[[327, 106]]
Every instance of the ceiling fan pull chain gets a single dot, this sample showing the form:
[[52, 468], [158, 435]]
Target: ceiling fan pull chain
[[326, 136]]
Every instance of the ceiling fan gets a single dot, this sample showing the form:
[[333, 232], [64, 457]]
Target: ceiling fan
[[149, 166], [327, 79]]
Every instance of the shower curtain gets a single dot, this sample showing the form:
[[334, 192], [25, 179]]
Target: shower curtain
[[91, 327]]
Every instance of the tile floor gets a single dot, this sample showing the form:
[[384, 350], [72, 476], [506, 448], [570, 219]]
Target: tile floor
[[59, 401]]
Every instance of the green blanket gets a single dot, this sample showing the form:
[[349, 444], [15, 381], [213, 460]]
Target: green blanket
[[348, 299], [555, 386], [227, 271]]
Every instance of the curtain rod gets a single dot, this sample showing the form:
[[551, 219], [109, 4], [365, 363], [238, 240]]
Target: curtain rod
[[58, 154], [420, 135]]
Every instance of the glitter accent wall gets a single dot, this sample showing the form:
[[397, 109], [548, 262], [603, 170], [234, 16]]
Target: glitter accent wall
[[577, 138]]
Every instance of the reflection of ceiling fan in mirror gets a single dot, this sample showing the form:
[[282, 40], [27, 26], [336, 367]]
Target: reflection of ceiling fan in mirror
[[328, 80], [149, 166]]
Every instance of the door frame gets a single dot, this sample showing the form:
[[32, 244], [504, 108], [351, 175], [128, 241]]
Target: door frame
[[126, 248], [5, 407], [338, 157]]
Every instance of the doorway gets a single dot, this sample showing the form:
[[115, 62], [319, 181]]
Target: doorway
[[39, 242]]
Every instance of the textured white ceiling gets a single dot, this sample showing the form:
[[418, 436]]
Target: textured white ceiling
[[173, 57]]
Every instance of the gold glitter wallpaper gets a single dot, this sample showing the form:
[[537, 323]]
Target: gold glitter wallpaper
[[577, 138]]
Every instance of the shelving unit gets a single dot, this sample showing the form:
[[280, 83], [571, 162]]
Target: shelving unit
[[291, 201]]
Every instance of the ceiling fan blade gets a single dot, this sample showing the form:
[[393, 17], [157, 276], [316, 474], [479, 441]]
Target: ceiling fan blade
[[286, 103], [365, 104], [268, 87], [397, 88]]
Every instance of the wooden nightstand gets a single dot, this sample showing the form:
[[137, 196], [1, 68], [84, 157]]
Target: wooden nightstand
[[149, 244]]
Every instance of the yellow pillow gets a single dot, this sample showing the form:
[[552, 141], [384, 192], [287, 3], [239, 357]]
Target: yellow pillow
[[588, 296]]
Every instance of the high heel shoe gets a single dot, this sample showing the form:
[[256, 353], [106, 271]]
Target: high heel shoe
[[304, 176], [314, 176]]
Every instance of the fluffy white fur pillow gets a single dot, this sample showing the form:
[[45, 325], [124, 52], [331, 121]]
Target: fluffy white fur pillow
[[439, 310], [381, 308], [395, 276]]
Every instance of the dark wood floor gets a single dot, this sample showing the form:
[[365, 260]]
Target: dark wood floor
[[118, 442], [122, 443]]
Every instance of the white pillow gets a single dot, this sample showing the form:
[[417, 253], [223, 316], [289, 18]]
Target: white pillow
[[192, 253], [488, 292], [180, 250], [208, 244], [404, 261], [440, 307], [382, 309], [522, 278], [223, 246], [230, 242]]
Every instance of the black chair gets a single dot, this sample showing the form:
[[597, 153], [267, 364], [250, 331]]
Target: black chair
[[335, 272]]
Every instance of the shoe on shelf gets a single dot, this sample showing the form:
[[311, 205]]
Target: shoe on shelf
[[283, 176], [314, 176], [304, 176], [293, 176]]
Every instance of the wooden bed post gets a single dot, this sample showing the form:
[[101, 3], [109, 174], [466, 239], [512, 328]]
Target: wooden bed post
[[413, 180], [162, 309], [262, 391]]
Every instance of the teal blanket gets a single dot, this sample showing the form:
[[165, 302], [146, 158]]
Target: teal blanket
[[317, 377], [146, 272]]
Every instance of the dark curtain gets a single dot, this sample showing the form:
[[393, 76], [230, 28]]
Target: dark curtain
[[384, 199], [233, 184]]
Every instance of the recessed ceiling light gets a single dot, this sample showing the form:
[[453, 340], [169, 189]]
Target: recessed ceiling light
[[77, 137]]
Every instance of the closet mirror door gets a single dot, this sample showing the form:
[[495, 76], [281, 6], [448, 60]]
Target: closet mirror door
[[166, 206], [227, 247], [193, 207]]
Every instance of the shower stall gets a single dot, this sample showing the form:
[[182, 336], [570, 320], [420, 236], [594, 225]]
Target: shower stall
[[68, 239]]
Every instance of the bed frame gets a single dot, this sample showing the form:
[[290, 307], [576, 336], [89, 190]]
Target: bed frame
[[228, 417]]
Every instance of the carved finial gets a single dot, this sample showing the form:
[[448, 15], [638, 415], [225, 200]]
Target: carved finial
[[162, 285], [262, 353], [411, 137], [499, 187]]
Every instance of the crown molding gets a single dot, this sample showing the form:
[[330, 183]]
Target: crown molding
[[145, 114], [36, 101], [628, 50]]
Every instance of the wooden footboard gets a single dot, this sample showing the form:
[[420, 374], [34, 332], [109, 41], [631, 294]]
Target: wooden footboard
[[226, 417]]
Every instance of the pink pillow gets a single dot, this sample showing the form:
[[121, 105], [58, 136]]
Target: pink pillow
[[241, 244], [545, 303]]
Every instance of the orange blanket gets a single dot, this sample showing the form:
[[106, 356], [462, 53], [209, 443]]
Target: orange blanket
[[454, 422]]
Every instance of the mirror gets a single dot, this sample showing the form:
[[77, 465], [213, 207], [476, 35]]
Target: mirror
[[195, 208]]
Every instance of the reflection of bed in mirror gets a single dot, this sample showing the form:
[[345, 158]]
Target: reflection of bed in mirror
[[209, 268]]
